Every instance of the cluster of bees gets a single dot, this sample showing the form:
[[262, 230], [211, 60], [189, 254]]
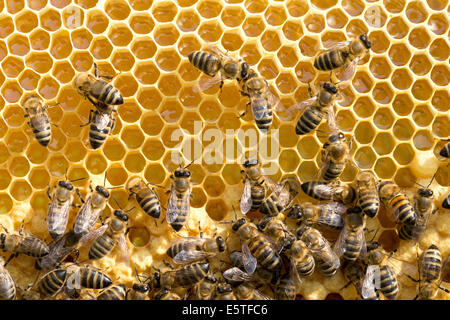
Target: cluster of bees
[[272, 255]]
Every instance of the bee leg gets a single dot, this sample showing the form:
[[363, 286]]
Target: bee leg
[[101, 220], [348, 283], [48, 193], [113, 125], [444, 289], [79, 194], [21, 228], [12, 256], [245, 112], [168, 264], [221, 84], [415, 280], [310, 90], [54, 124]]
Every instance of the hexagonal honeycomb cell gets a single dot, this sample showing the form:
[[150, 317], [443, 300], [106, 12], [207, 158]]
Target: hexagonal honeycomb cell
[[395, 108]]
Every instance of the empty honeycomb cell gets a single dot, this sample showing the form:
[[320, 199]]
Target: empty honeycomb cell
[[142, 23], [216, 209], [147, 73], [14, 115], [4, 153], [356, 27], [297, 8], [275, 15], [126, 85], [48, 88], [270, 40], [305, 72], [423, 140], [380, 43], [422, 115], [198, 198], [70, 125], [420, 64], [286, 82], [190, 121], [170, 111], [101, 48], [384, 168], [3, 128], [336, 18], [209, 9], [20, 190], [233, 16], [442, 176], [389, 240], [149, 98], [440, 100], [384, 143], [155, 173], [19, 166], [78, 173], [12, 66], [231, 41], [139, 236], [81, 61], [365, 157], [402, 104], [399, 54], [6, 203], [169, 84], [397, 28], [29, 79], [352, 7], [58, 139], [214, 186], [287, 56], [114, 150], [74, 151], [364, 132], [232, 173], [307, 171], [73, 17], [253, 26], [422, 89], [130, 112], [168, 60], [210, 110], [6, 26], [292, 30], [3, 50], [394, 6], [364, 107], [309, 46], [40, 62], [134, 162], [288, 160], [50, 20], [97, 21], [95, 163], [375, 16], [81, 38], [151, 124], [5, 179], [419, 38], [229, 121], [122, 60], [401, 79], [117, 9], [438, 23], [383, 93], [403, 129], [437, 4], [188, 44], [132, 137], [121, 36], [11, 91], [141, 5], [188, 21], [362, 82], [210, 32], [187, 71], [380, 68], [268, 69], [441, 127], [416, 12], [39, 178], [331, 38], [36, 153], [314, 22], [18, 45], [15, 6], [287, 136], [68, 98], [116, 175], [345, 120], [440, 75], [61, 46], [250, 53], [404, 154]]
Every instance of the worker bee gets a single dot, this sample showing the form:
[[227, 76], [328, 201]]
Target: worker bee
[[351, 242], [446, 202], [326, 215], [101, 124], [22, 243], [301, 258], [140, 289], [316, 108], [146, 197], [257, 249], [7, 284], [90, 210], [335, 154], [224, 291], [186, 276], [205, 289], [116, 292], [398, 205], [262, 100], [165, 294], [323, 190], [218, 65], [39, 120], [445, 151], [100, 93], [344, 55], [354, 272], [368, 199], [179, 204], [278, 231], [246, 291], [325, 258], [190, 249], [281, 196]]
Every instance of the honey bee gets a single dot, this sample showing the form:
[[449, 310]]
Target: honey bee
[[100, 93], [218, 65], [445, 151], [368, 199], [335, 154], [39, 120], [257, 249], [289, 283], [179, 204], [262, 100], [316, 108], [165, 294], [146, 197], [186, 276], [281, 196], [354, 273], [326, 215], [247, 291], [344, 55], [190, 249], [224, 291], [116, 292], [446, 202], [90, 210], [351, 242], [278, 231], [325, 258], [101, 124], [397, 204], [322, 190], [22, 243], [301, 258], [59, 249], [7, 284], [205, 289], [139, 290]]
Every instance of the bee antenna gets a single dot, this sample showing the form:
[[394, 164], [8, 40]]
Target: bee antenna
[[118, 187], [77, 179], [376, 232], [104, 180], [432, 178], [129, 210], [156, 185], [67, 169], [419, 184], [115, 200], [235, 214]]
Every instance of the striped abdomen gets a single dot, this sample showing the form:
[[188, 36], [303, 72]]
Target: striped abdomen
[[328, 267], [329, 60], [52, 282], [7, 286], [106, 93], [445, 151], [32, 246], [98, 134], [266, 256], [57, 219], [191, 274], [181, 210], [305, 268], [369, 201], [149, 202], [403, 209], [262, 112], [388, 283], [352, 246], [205, 61], [431, 264], [333, 170], [271, 206], [258, 193], [331, 220], [40, 125], [308, 121], [93, 279], [180, 246], [102, 246], [117, 292], [286, 289], [312, 189], [408, 232]]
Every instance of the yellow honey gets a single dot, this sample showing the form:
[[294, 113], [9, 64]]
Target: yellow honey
[[396, 108]]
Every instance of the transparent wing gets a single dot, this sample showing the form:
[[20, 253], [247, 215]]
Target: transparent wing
[[86, 217], [300, 106], [94, 234], [280, 190], [204, 84], [339, 246], [190, 240], [368, 285], [214, 49], [333, 45], [293, 185], [400, 267], [236, 274], [362, 240], [248, 260], [335, 207], [255, 97], [294, 274], [332, 118], [172, 212], [258, 295], [324, 189], [273, 100], [246, 198], [347, 73], [124, 253], [59, 215], [184, 257]]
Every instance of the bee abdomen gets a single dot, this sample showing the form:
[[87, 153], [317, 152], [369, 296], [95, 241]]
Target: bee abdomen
[[369, 203], [150, 204], [388, 283], [97, 137], [271, 206], [310, 188], [265, 122], [333, 170], [257, 193], [182, 212], [52, 282], [192, 274], [7, 287], [101, 247], [432, 263], [328, 268], [117, 292], [286, 288], [403, 209], [110, 95], [352, 248], [445, 151], [93, 279], [34, 247], [308, 121], [43, 135], [405, 232], [306, 268], [329, 60], [332, 221], [57, 223], [265, 255], [206, 62]]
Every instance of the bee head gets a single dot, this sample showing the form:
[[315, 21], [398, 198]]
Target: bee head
[[295, 212], [250, 163], [221, 244], [182, 173], [141, 287], [365, 41], [426, 193], [65, 184], [121, 215], [103, 191], [238, 224], [354, 210], [329, 87]]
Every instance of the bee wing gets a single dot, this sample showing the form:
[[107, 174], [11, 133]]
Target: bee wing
[[253, 99], [62, 213], [172, 212], [333, 45], [258, 295], [324, 189], [280, 190], [300, 106], [86, 217], [335, 207], [362, 241], [204, 84], [248, 260], [124, 253], [184, 257], [347, 73], [273, 100], [246, 198], [94, 234], [368, 285], [400, 267], [189, 240], [236, 274], [294, 274], [339, 247]]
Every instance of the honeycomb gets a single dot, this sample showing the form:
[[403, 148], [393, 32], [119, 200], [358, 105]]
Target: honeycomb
[[396, 108]]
